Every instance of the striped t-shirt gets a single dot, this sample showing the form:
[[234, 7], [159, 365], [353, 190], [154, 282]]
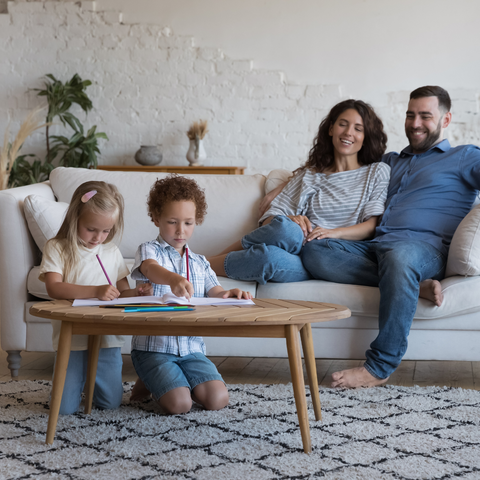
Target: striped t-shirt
[[334, 200]]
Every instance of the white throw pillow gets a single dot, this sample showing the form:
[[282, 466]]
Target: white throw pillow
[[464, 253], [44, 218], [275, 178]]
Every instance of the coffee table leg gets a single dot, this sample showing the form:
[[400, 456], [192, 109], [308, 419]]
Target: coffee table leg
[[296, 371], [308, 352], [61, 365], [93, 351]]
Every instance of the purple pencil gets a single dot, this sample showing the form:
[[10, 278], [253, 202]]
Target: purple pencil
[[103, 268]]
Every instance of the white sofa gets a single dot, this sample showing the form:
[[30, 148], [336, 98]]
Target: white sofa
[[449, 332]]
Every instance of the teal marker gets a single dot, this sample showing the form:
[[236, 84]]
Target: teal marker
[[158, 309]]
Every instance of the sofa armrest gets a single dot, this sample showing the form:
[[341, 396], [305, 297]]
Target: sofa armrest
[[18, 254]]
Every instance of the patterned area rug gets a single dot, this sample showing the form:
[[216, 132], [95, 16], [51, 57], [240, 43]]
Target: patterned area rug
[[381, 433]]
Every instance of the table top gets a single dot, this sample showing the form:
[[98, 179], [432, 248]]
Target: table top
[[264, 312]]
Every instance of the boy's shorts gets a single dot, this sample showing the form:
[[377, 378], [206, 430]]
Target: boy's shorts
[[162, 372]]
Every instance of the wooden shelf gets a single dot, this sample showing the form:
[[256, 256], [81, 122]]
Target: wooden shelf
[[174, 169]]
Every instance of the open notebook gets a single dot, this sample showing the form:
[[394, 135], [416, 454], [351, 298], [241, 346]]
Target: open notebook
[[166, 299]]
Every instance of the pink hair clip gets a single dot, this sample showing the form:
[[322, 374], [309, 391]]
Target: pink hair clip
[[88, 196]]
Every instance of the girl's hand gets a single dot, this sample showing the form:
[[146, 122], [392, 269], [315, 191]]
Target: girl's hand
[[320, 233], [144, 290], [181, 287], [236, 292], [303, 222], [107, 292]]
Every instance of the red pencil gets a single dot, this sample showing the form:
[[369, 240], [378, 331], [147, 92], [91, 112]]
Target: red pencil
[[188, 270]]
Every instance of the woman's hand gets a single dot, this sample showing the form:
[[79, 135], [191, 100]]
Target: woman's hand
[[236, 292], [320, 233], [144, 290], [303, 222], [107, 292]]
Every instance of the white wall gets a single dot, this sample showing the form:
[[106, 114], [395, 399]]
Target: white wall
[[152, 78]]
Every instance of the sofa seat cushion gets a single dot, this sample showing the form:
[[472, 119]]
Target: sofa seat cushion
[[460, 298]]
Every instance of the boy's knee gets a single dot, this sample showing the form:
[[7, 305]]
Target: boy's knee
[[176, 401], [217, 402]]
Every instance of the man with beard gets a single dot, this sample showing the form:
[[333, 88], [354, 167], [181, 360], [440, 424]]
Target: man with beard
[[432, 187]]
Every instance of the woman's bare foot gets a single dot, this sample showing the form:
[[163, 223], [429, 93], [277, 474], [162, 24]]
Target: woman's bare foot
[[431, 290], [139, 391], [356, 378]]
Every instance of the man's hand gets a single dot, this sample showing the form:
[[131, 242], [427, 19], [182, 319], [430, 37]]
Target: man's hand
[[236, 292], [181, 287], [144, 290], [107, 292], [268, 198], [303, 222]]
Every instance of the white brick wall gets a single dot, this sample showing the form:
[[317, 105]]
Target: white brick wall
[[151, 84]]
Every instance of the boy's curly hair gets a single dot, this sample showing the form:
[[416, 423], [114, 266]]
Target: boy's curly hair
[[175, 188]]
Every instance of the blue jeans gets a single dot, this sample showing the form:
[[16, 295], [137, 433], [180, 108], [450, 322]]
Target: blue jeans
[[271, 253], [108, 390], [162, 372], [396, 268]]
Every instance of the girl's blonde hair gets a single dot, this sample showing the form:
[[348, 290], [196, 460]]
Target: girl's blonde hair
[[107, 201]]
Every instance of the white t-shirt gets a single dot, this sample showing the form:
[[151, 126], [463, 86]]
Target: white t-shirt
[[87, 272]]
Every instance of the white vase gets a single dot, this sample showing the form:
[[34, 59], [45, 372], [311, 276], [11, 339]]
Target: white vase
[[196, 152]]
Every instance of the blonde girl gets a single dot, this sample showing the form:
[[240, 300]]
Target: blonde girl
[[70, 269]]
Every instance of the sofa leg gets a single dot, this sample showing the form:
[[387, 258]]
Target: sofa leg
[[14, 360]]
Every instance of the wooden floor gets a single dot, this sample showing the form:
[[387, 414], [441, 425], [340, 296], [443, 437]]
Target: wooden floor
[[39, 366]]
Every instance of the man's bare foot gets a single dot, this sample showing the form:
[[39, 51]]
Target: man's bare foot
[[431, 290], [356, 378], [139, 391]]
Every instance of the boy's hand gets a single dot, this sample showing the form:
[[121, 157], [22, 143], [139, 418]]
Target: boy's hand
[[144, 290], [107, 292], [236, 292], [181, 287]]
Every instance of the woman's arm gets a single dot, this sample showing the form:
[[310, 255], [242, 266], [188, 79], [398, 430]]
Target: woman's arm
[[361, 231], [58, 289]]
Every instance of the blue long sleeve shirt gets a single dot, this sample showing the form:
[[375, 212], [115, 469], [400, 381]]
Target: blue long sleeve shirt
[[429, 193]]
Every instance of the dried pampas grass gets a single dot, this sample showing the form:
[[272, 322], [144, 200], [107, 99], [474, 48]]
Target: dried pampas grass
[[9, 152], [197, 130]]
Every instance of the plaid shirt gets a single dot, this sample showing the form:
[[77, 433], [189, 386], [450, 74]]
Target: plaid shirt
[[202, 277]]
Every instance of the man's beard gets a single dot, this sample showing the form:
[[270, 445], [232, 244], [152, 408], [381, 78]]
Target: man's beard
[[430, 140]]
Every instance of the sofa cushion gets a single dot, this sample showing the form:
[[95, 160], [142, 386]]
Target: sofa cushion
[[275, 178], [464, 252], [44, 218]]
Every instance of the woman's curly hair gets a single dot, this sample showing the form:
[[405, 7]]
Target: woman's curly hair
[[321, 156], [175, 188]]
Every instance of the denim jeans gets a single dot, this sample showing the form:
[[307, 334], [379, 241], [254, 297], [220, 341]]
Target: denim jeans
[[162, 372], [396, 268], [271, 253], [108, 390]]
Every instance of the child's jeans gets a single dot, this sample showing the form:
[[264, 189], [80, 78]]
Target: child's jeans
[[108, 390], [162, 372]]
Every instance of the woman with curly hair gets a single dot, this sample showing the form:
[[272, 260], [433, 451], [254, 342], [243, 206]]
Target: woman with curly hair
[[339, 193]]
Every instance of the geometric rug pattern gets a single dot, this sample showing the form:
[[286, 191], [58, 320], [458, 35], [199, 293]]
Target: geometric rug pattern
[[392, 432]]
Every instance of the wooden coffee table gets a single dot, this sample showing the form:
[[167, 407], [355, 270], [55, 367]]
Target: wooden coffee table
[[265, 319]]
